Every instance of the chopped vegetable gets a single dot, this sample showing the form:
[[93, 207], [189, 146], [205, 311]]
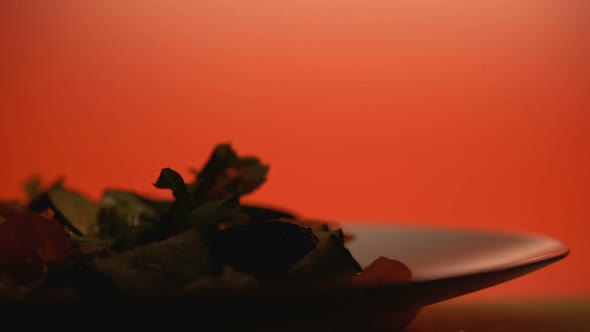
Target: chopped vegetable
[[383, 272], [202, 240], [264, 250], [28, 242]]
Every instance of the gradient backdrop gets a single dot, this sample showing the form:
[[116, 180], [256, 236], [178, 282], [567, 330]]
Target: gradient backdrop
[[458, 113]]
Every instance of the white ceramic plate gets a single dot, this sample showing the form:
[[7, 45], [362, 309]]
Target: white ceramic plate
[[451, 262], [445, 263]]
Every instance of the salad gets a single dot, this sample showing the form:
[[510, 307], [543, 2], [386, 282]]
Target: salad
[[62, 245]]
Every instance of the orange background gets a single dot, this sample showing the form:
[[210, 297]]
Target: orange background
[[460, 113]]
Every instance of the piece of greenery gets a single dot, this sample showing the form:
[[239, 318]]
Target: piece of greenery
[[70, 208], [265, 250], [157, 268], [226, 174], [170, 179], [201, 240], [330, 260], [126, 219]]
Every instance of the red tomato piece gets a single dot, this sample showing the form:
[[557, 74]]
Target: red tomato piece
[[383, 272], [28, 241]]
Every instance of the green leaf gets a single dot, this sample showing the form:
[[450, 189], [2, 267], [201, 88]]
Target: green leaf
[[72, 209], [135, 209], [32, 187], [239, 178], [265, 250], [329, 260], [321, 228], [260, 213], [158, 268], [208, 215], [229, 280], [253, 177], [75, 208], [222, 156], [225, 174], [126, 219], [170, 179]]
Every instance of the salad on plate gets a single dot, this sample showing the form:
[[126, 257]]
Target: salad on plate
[[61, 245]]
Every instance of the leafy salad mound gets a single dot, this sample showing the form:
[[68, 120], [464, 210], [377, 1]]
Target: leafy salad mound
[[63, 245]]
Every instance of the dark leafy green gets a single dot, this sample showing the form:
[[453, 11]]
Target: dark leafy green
[[71, 208], [227, 280], [126, 219], [201, 240], [226, 174], [207, 216], [170, 179], [157, 268], [329, 260], [265, 250], [32, 187], [259, 213]]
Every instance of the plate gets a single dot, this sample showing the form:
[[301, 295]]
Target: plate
[[448, 263], [445, 263]]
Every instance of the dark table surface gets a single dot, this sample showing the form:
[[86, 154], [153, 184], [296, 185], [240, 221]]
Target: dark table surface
[[505, 316]]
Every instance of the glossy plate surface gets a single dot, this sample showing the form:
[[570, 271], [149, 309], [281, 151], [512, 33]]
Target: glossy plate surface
[[441, 256], [438, 253]]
